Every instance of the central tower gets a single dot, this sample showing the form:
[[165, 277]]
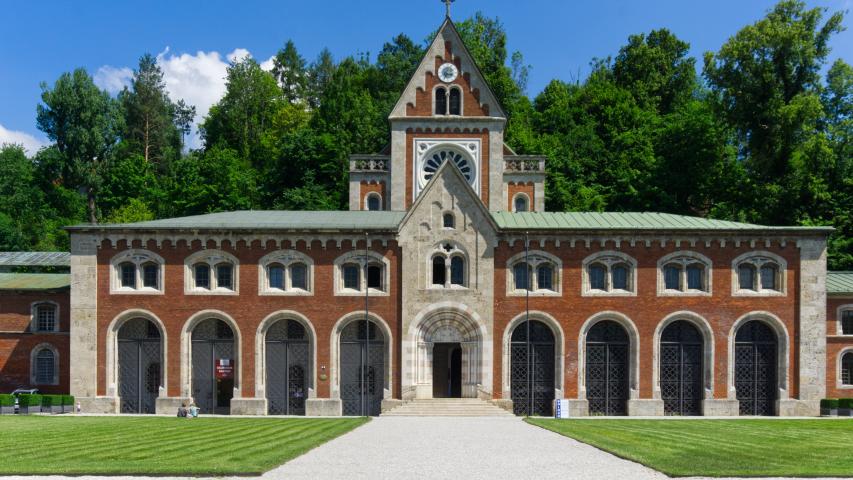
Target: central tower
[[446, 113]]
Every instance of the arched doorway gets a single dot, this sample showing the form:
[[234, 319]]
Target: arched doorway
[[214, 366], [681, 350], [139, 365], [607, 367], [755, 368], [532, 369], [287, 367], [448, 358], [362, 367]]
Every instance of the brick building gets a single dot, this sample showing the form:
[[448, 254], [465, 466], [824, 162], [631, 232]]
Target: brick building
[[447, 278]]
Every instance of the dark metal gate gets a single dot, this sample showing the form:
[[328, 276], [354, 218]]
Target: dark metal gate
[[681, 369], [362, 369], [607, 366], [139, 365], [755, 368], [214, 366], [534, 371], [288, 368]]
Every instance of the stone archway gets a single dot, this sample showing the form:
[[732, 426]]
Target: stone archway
[[445, 328]]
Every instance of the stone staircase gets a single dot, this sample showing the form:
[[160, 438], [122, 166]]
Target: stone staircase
[[447, 407]]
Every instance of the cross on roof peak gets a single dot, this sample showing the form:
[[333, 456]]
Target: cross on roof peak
[[447, 5]]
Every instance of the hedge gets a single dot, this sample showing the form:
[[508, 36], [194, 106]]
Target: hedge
[[68, 399], [26, 400], [7, 400], [845, 403], [51, 400]]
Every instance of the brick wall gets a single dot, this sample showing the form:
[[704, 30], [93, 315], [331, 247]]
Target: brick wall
[[646, 309], [424, 97], [835, 343], [248, 309], [526, 188], [17, 342], [370, 187]]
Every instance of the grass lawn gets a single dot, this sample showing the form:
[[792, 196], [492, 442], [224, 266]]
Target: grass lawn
[[744, 447], [159, 445]]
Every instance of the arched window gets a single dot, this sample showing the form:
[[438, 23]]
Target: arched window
[[285, 272], [136, 271], [847, 322], [440, 101], [44, 366], [374, 202], [455, 101], [352, 276], [457, 271], [438, 270], [609, 273], [211, 272], [449, 221], [684, 273], [354, 272], [520, 203], [847, 369], [128, 275], [759, 273], [45, 317], [535, 271]]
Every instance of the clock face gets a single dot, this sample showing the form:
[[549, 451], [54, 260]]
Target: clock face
[[447, 72]]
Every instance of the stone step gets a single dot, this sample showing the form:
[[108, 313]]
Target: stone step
[[448, 407]]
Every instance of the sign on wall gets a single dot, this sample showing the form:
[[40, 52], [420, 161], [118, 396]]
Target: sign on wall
[[224, 368], [561, 409]]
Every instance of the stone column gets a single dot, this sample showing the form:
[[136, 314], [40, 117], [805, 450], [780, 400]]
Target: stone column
[[812, 330], [83, 361]]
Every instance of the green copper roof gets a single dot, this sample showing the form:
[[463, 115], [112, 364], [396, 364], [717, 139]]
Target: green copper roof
[[35, 259], [34, 281], [267, 220], [624, 221], [839, 283]]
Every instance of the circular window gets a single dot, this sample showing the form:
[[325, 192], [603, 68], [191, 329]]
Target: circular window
[[436, 158]]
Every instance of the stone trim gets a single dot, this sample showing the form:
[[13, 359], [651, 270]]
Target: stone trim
[[367, 198], [286, 258], [261, 350], [559, 351], [187, 354], [708, 350], [83, 337], [334, 352], [138, 257], [470, 148], [448, 87], [633, 351], [537, 257], [782, 272], [212, 258], [111, 370], [783, 352], [526, 199], [457, 251], [33, 370], [685, 258], [586, 289]]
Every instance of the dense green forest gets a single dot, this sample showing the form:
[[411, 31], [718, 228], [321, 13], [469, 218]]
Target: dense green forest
[[763, 134]]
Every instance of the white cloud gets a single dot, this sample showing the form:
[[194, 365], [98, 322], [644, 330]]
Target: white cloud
[[31, 144], [268, 64], [113, 79], [198, 79]]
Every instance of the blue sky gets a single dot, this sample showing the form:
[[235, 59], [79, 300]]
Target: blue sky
[[194, 39]]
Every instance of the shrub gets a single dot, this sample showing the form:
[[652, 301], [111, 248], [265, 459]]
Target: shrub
[[7, 400], [845, 403], [68, 399], [51, 400], [26, 400]]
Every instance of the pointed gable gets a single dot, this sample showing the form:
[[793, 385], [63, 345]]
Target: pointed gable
[[478, 100]]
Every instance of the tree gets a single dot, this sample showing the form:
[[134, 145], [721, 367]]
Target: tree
[[23, 209], [657, 70], [84, 121], [290, 72], [150, 117], [319, 75]]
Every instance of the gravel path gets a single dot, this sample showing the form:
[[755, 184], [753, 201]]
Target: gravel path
[[452, 448]]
